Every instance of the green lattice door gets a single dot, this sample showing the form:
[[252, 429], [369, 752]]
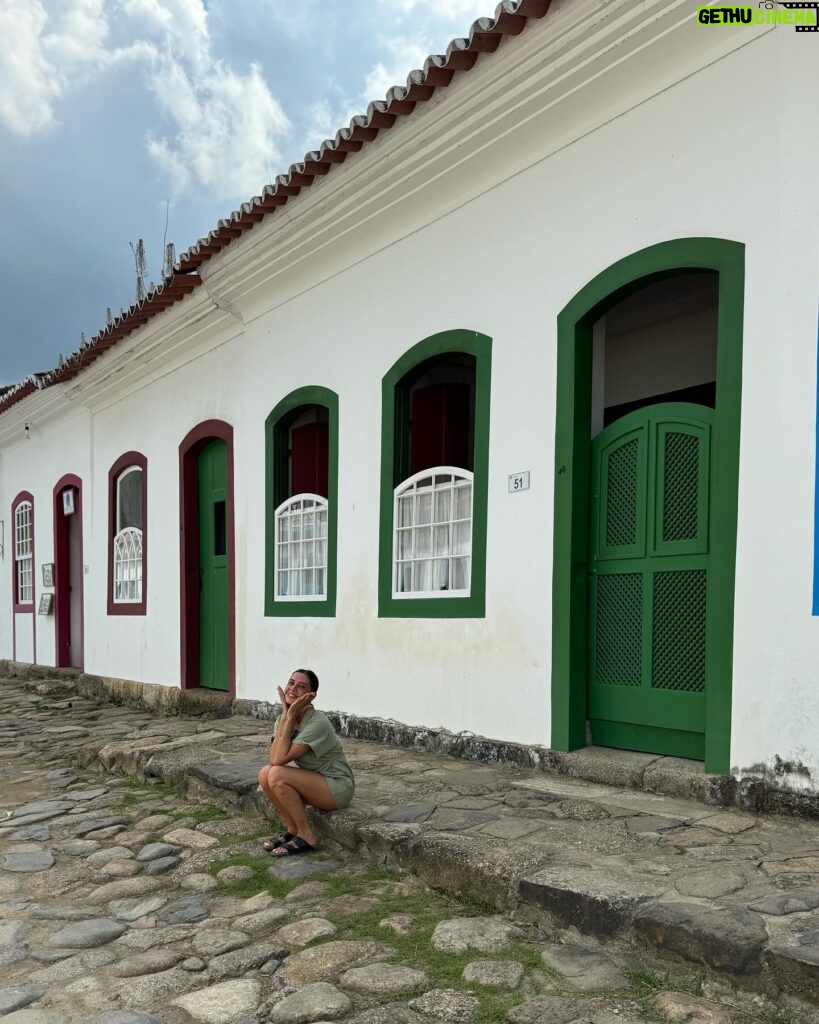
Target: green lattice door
[[214, 608], [648, 574]]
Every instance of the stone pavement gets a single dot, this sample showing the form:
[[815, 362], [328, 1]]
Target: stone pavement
[[132, 889]]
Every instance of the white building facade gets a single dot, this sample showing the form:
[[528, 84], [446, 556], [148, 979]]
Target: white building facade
[[504, 425]]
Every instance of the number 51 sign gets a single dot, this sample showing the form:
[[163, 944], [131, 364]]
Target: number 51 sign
[[519, 481]]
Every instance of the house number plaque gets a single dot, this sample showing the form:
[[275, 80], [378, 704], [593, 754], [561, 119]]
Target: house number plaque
[[519, 482]]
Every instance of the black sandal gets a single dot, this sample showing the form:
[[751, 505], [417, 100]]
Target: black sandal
[[294, 846], [274, 842]]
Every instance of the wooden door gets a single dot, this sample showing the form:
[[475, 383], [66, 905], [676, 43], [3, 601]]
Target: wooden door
[[648, 580], [213, 567]]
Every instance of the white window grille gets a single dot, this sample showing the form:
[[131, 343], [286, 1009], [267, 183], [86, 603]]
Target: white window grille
[[23, 558], [128, 537], [432, 545], [300, 562], [128, 565]]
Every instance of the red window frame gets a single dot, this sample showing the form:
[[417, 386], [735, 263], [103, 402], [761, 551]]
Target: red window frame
[[126, 461], [18, 606]]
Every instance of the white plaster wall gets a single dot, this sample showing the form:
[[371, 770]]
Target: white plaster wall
[[6, 567], [25, 627], [506, 264], [154, 421], [680, 164], [775, 709], [57, 446]]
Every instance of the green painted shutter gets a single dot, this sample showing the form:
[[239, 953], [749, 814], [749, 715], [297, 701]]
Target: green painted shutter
[[648, 579], [214, 610]]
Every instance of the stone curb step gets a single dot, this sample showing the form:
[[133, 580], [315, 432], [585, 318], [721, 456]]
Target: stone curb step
[[602, 901], [667, 776]]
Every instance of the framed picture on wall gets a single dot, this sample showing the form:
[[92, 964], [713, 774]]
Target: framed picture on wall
[[48, 574], [68, 502], [46, 604]]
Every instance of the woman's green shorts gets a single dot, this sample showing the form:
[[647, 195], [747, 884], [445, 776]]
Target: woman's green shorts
[[342, 790]]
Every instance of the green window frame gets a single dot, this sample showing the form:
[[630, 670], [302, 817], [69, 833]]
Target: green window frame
[[276, 427], [394, 425], [575, 324]]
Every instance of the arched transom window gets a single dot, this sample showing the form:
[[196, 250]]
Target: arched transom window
[[301, 518], [128, 536], [301, 515], [432, 538], [434, 473], [23, 553]]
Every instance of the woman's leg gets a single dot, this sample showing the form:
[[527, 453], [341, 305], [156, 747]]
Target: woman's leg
[[292, 789], [267, 789]]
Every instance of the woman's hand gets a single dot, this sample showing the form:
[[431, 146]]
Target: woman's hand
[[299, 706], [282, 701]]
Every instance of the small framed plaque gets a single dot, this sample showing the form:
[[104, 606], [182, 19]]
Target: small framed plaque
[[68, 502], [46, 604], [519, 482], [48, 574]]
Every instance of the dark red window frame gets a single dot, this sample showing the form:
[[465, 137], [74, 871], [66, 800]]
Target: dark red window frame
[[126, 461], [16, 605]]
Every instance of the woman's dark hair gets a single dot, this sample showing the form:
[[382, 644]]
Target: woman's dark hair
[[311, 675]]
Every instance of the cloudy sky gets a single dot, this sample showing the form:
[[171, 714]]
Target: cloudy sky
[[114, 113]]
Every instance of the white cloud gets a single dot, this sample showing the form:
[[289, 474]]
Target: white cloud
[[79, 36], [465, 11], [321, 123], [223, 126], [400, 56], [218, 128], [227, 128], [403, 56], [180, 25], [27, 86], [45, 54]]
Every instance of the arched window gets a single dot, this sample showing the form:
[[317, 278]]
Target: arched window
[[435, 444], [127, 535], [302, 456], [23, 519]]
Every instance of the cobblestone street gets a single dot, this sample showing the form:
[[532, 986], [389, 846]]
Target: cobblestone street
[[139, 898]]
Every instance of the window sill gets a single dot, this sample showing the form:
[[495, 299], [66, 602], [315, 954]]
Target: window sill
[[324, 608], [126, 608], [470, 607]]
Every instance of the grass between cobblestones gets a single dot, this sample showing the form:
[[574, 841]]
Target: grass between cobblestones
[[259, 881], [445, 970], [245, 837], [202, 815], [136, 793], [644, 987], [426, 908]]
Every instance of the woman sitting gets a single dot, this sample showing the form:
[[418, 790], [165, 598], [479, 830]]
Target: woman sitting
[[323, 777]]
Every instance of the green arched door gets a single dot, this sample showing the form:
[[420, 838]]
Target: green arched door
[[649, 565], [214, 622]]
